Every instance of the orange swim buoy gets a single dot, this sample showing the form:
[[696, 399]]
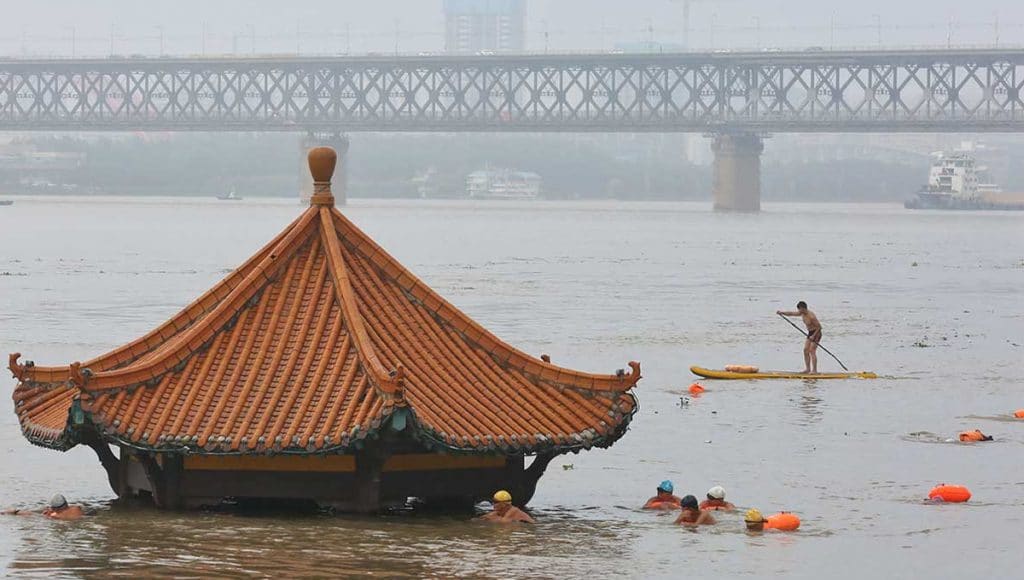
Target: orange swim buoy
[[1019, 413], [950, 493], [663, 505], [971, 436], [784, 521], [696, 389]]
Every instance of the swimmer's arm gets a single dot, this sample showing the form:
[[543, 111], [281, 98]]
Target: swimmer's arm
[[525, 518], [17, 512], [787, 312]]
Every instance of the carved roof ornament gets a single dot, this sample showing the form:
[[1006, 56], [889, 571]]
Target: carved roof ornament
[[322, 161]]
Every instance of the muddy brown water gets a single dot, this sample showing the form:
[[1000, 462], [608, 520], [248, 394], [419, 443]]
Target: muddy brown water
[[932, 301]]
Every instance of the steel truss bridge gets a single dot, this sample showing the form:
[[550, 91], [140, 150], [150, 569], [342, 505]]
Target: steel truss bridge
[[856, 91]]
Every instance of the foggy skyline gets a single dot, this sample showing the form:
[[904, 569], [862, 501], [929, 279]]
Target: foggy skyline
[[96, 29]]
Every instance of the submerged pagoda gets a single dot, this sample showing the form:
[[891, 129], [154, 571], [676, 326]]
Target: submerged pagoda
[[322, 370]]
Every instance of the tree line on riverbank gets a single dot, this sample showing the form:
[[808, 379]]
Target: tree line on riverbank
[[641, 167]]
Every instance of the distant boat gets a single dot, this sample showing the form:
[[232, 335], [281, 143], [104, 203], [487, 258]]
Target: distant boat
[[503, 184], [954, 182], [230, 196], [6, 202]]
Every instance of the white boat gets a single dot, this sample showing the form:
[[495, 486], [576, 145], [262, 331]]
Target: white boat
[[503, 184], [955, 182], [230, 196]]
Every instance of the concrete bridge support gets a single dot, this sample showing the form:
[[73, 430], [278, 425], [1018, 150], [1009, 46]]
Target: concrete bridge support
[[339, 185], [736, 182]]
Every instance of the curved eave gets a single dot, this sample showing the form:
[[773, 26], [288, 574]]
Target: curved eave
[[173, 354], [504, 353], [44, 414], [353, 441], [220, 445], [131, 352], [573, 443]]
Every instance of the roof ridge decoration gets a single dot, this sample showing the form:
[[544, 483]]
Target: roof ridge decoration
[[311, 346]]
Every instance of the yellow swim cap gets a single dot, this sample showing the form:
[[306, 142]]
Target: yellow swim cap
[[753, 516], [502, 496]]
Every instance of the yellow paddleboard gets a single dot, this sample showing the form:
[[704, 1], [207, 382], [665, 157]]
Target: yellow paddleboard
[[720, 374]]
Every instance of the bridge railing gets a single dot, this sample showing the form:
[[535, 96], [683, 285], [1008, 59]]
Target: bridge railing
[[948, 91]]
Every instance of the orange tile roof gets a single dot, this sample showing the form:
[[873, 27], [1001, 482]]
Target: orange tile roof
[[310, 346]]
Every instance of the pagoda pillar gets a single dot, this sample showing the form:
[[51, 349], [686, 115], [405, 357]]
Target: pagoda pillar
[[366, 498], [339, 184], [111, 464], [530, 476], [737, 171]]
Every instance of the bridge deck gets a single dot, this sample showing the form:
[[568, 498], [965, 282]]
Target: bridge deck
[[825, 91]]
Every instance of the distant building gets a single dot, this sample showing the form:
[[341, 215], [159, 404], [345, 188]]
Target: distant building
[[484, 25]]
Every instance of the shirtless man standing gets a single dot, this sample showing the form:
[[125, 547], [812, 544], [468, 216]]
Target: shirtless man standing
[[813, 335]]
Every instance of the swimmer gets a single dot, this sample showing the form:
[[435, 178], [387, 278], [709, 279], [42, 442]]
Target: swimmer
[[813, 335], [691, 514], [716, 500], [973, 436], [504, 512], [754, 521], [57, 510], [664, 500]]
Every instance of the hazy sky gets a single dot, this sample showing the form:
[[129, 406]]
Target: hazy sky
[[52, 27]]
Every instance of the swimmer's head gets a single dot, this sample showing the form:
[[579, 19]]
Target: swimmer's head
[[58, 502], [689, 502], [754, 520], [666, 486], [801, 306], [717, 492], [502, 501]]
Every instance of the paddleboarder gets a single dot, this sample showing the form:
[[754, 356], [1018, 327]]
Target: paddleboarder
[[813, 335]]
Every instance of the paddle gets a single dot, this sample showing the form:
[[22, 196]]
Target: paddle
[[806, 335]]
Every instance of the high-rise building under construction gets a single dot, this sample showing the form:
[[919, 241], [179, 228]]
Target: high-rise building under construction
[[485, 25]]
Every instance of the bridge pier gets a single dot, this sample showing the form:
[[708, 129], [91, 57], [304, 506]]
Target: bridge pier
[[736, 183], [339, 186]]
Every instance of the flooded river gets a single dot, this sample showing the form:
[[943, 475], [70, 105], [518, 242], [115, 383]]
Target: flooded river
[[932, 301]]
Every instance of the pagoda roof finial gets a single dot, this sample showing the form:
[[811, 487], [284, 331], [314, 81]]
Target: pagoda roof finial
[[322, 161]]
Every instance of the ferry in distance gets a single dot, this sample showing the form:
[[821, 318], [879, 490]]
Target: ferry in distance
[[229, 196], [503, 184], [955, 182]]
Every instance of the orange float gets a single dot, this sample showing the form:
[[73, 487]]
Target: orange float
[[950, 493], [1019, 413], [972, 436], [696, 389], [784, 521], [662, 505]]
